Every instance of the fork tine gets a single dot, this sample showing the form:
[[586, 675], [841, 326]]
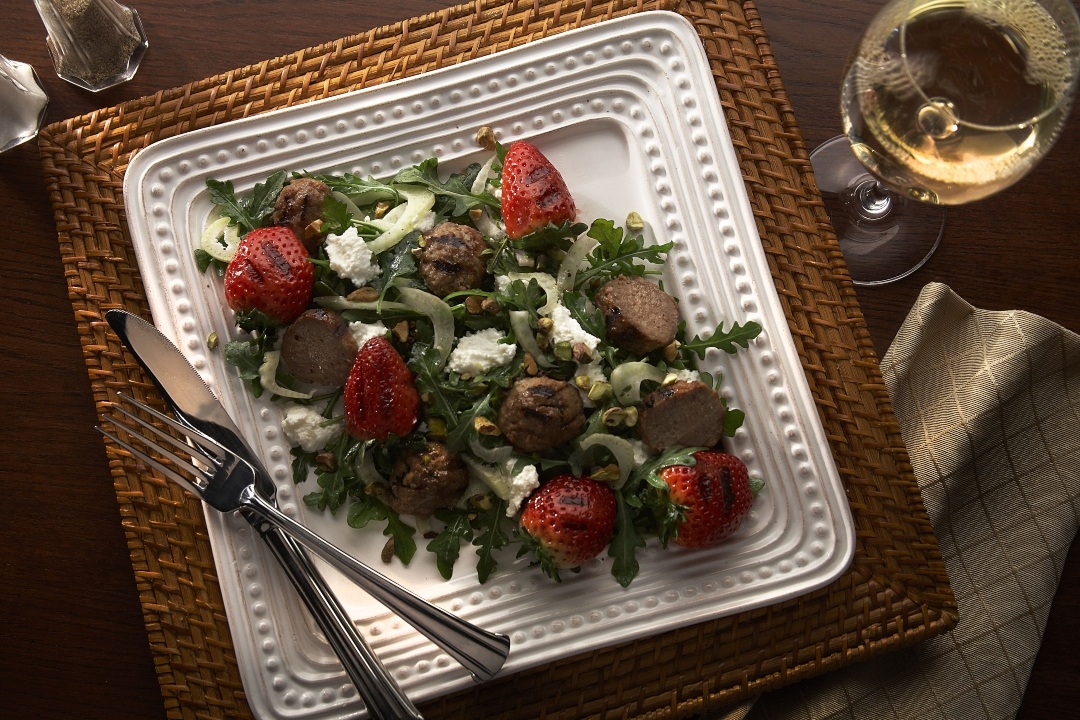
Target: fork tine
[[157, 464], [198, 449]]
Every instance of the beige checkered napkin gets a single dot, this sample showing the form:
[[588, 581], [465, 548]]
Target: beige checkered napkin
[[989, 406]]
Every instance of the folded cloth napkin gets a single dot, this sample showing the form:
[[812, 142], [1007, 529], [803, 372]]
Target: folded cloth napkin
[[989, 407]]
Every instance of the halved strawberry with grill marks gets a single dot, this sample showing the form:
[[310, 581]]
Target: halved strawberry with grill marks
[[533, 192], [380, 394], [271, 273]]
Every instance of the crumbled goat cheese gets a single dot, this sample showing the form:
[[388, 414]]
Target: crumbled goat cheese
[[641, 453], [568, 330], [351, 258], [362, 332], [688, 375], [480, 351], [305, 427], [426, 222], [521, 486]]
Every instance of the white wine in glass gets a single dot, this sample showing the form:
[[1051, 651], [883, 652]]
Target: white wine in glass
[[943, 102]]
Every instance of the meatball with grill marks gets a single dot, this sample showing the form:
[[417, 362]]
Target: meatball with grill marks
[[539, 413], [423, 481], [451, 258], [298, 205]]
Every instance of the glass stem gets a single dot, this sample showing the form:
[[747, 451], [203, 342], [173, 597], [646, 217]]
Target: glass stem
[[873, 201]]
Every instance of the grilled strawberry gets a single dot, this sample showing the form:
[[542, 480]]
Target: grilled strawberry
[[568, 521], [270, 273], [716, 495], [380, 396], [533, 192]]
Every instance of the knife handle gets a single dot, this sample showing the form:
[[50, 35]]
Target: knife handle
[[480, 651], [382, 696]]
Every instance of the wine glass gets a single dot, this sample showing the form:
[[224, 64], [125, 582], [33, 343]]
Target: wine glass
[[943, 102]]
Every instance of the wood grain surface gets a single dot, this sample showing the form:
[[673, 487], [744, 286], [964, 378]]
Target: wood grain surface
[[73, 643]]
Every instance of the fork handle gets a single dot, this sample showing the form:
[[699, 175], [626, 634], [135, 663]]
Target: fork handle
[[382, 696], [480, 651]]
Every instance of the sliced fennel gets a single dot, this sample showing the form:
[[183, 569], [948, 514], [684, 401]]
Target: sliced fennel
[[620, 448], [626, 379], [268, 377], [220, 239], [418, 201]]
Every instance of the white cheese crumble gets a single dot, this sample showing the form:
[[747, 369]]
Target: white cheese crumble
[[521, 486], [479, 352], [362, 332], [687, 375], [569, 330], [307, 428], [351, 258]]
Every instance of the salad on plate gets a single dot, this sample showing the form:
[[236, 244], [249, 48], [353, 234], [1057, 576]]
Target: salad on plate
[[461, 360]]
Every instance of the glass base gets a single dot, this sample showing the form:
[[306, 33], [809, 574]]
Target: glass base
[[884, 236]]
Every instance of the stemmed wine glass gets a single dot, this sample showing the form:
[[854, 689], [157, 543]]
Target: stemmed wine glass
[[943, 102]]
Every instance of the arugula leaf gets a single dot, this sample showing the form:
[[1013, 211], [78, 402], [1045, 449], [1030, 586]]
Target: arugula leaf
[[491, 537], [247, 357], [446, 546], [624, 543], [733, 420], [399, 262], [618, 254], [725, 340], [560, 236], [362, 191], [335, 216], [454, 189], [649, 471], [252, 212]]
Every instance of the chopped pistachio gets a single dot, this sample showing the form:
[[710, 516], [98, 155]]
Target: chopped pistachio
[[211, 341], [606, 474], [600, 391], [485, 137], [313, 229], [326, 461], [491, 306], [437, 428], [388, 550], [401, 331], [364, 294], [485, 426], [634, 222], [631, 416], [382, 207], [563, 351], [474, 304], [613, 417], [545, 325], [583, 381], [529, 363], [671, 351], [582, 353], [476, 213]]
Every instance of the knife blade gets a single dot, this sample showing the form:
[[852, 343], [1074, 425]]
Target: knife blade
[[184, 390]]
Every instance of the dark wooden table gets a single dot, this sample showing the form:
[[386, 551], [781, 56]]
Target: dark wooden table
[[73, 643]]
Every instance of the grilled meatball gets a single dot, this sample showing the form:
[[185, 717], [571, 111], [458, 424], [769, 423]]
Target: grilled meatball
[[299, 204], [640, 317], [688, 413], [451, 258], [539, 413], [421, 482], [318, 348]]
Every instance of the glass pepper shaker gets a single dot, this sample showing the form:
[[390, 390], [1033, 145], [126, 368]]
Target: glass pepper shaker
[[22, 103], [95, 44]]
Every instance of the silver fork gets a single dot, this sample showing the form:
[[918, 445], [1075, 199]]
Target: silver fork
[[227, 483]]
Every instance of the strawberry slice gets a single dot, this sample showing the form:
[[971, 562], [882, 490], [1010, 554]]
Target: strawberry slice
[[567, 522], [380, 396], [533, 192], [716, 495], [270, 273]]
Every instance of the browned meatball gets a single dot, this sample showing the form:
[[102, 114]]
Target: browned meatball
[[687, 413], [539, 413], [421, 482], [318, 348], [640, 317], [451, 258], [299, 204]]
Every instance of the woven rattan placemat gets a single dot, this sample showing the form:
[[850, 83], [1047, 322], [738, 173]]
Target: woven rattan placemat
[[896, 592]]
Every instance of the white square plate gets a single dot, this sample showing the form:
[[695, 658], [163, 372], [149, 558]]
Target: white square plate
[[627, 110]]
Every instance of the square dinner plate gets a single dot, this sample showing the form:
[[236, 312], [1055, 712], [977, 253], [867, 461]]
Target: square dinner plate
[[628, 111]]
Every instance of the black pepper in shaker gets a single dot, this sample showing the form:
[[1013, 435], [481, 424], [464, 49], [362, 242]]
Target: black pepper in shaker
[[95, 44]]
